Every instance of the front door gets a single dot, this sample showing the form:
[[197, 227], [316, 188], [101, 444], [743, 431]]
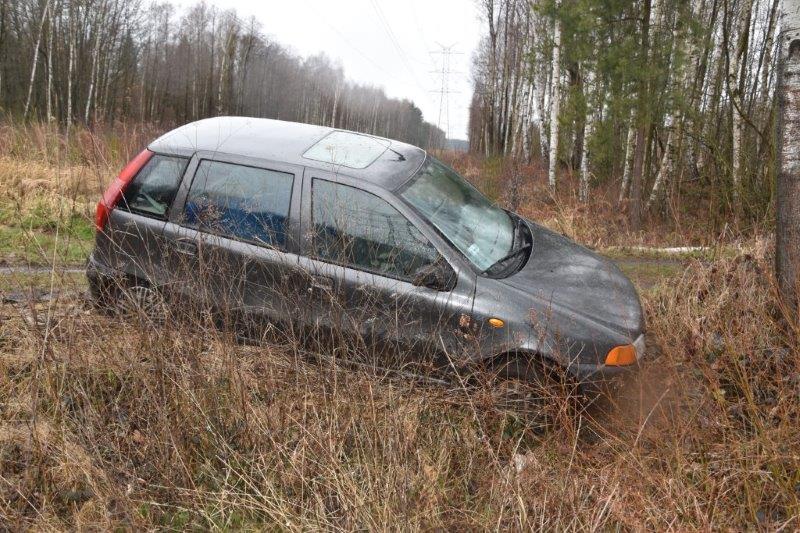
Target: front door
[[362, 256]]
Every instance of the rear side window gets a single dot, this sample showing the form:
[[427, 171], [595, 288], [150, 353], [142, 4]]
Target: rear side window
[[152, 190], [245, 203], [356, 228]]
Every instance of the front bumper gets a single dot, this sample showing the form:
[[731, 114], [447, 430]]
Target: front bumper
[[595, 378]]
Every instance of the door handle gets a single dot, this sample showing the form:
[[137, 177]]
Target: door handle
[[320, 283], [186, 247]]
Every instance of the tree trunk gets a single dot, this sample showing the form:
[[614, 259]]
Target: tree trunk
[[35, 60], [588, 130], [50, 70], [666, 168], [93, 75], [637, 176], [737, 73], [787, 227], [630, 143], [554, 103], [70, 68]]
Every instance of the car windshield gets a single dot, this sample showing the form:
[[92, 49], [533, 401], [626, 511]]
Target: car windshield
[[483, 232]]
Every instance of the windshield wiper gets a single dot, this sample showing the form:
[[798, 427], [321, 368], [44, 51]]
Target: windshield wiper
[[509, 256]]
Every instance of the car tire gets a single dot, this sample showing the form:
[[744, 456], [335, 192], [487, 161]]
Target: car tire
[[143, 303]]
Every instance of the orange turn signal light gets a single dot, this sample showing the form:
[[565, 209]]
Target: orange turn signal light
[[621, 355], [496, 323]]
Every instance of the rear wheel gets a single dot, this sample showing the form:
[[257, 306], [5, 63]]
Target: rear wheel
[[142, 302]]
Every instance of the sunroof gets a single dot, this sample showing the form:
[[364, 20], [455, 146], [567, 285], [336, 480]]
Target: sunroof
[[342, 148]]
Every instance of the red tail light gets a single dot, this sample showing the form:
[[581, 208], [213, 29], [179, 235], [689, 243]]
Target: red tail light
[[114, 192]]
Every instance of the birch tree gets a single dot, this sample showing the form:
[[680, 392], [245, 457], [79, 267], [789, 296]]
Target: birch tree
[[588, 130], [35, 58], [787, 238], [555, 100], [735, 83]]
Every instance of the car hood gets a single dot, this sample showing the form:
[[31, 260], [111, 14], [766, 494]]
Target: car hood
[[572, 283]]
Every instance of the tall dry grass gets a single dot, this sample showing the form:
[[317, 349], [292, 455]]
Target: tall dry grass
[[50, 181], [110, 422]]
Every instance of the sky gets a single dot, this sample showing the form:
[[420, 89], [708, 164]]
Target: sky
[[384, 43]]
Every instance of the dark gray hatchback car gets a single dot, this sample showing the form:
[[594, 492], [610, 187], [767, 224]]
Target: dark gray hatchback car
[[286, 223]]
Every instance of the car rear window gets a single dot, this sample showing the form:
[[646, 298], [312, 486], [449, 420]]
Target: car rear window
[[241, 202], [152, 190], [343, 148]]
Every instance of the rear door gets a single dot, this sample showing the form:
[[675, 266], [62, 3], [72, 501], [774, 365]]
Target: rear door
[[132, 240], [233, 241], [362, 252]]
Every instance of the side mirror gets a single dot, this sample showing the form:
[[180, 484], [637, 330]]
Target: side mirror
[[438, 276]]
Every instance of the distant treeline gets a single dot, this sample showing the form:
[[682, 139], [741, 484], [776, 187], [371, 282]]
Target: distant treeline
[[105, 60]]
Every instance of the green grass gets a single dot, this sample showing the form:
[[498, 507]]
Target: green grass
[[37, 233], [33, 246]]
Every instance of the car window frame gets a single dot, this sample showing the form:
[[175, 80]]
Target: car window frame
[[292, 220], [125, 206], [308, 249]]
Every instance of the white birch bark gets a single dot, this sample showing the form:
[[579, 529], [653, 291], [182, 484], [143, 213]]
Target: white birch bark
[[50, 70], [35, 60], [787, 227], [70, 68], [526, 124], [736, 73], [93, 75], [544, 96], [538, 97], [630, 142], [555, 98], [588, 131]]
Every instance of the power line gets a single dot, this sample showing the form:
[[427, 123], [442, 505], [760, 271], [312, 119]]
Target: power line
[[356, 49], [387, 29]]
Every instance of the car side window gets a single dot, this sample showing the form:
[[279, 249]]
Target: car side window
[[152, 190], [355, 228], [241, 202]]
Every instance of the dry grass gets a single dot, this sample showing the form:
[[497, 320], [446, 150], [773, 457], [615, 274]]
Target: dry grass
[[112, 424], [107, 424], [50, 182]]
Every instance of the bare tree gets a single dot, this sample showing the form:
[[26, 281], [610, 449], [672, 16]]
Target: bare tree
[[35, 58]]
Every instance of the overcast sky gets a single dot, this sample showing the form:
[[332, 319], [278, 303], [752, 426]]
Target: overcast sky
[[386, 43]]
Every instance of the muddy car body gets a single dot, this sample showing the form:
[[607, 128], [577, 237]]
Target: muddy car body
[[327, 229]]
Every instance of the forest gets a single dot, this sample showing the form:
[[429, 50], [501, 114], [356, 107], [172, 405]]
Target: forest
[[665, 101], [100, 61]]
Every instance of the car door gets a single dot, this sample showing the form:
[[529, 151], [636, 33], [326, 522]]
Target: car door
[[132, 240], [234, 239], [362, 251]]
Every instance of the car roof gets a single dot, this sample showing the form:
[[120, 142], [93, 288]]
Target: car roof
[[287, 142]]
